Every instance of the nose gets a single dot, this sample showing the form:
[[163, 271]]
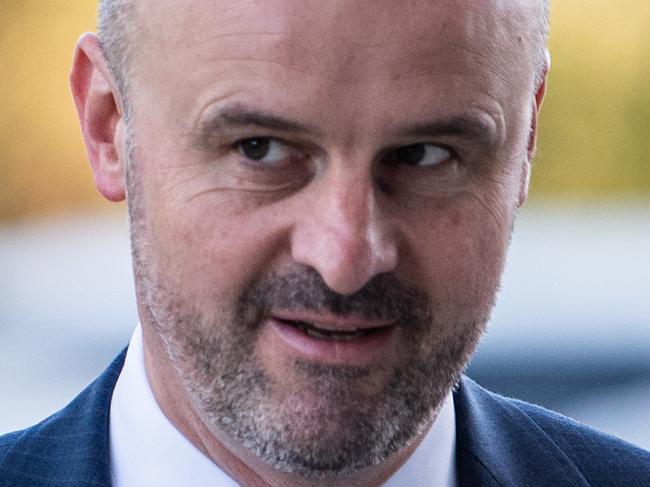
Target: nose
[[344, 235]]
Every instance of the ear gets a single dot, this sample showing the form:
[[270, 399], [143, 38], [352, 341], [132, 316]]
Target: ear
[[100, 110], [540, 92]]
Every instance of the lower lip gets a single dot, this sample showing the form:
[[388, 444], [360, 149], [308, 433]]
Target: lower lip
[[361, 351]]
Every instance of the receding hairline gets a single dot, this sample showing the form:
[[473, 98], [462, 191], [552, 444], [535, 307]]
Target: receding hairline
[[117, 24]]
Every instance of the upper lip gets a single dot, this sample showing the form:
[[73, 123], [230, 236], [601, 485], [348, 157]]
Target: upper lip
[[332, 322]]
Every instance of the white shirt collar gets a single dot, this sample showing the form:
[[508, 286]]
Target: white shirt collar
[[147, 449]]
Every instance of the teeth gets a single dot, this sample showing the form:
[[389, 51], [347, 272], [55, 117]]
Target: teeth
[[330, 335], [327, 334]]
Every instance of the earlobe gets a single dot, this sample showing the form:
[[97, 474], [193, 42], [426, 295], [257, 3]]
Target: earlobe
[[98, 106]]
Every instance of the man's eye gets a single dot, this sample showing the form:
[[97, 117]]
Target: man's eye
[[263, 149], [422, 155]]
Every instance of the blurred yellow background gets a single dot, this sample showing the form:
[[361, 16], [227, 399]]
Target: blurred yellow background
[[594, 135]]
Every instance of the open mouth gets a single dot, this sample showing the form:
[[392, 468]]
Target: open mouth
[[331, 335], [330, 339]]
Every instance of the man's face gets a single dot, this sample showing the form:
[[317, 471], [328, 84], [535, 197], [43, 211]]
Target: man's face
[[321, 197]]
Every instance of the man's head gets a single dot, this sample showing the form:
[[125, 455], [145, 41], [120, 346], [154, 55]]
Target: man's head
[[321, 197]]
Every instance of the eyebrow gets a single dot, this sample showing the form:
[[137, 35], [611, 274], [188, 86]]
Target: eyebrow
[[235, 117], [457, 126]]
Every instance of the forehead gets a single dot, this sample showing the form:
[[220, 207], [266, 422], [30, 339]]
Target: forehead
[[335, 35], [332, 46]]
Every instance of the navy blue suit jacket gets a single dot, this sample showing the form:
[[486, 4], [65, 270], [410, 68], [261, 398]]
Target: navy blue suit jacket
[[500, 442]]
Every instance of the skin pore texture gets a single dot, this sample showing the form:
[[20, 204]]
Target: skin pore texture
[[321, 196]]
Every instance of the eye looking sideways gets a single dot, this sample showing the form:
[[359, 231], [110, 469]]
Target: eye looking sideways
[[272, 151], [265, 150], [425, 169]]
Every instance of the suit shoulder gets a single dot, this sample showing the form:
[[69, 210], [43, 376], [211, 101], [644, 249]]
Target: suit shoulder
[[535, 432], [576, 437], [68, 448], [6, 442], [47, 453]]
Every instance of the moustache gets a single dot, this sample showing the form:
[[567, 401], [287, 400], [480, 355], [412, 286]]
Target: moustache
[[384, 297]]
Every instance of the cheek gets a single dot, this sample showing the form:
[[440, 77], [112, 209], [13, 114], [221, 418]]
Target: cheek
[[462, 257], [195, 251], [209, 253]]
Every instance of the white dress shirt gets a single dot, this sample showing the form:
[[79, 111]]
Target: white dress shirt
[[147, 449]]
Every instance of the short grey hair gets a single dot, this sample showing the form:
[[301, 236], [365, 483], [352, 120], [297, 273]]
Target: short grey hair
[[115, 26], [542, 52], [116, 23]]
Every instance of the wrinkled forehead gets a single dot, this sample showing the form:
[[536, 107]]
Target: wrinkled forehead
[[340, 39]]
